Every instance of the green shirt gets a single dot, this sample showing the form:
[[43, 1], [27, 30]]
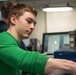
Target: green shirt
[[13, 59]]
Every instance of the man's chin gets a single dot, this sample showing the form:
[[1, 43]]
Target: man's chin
[[26, 37]]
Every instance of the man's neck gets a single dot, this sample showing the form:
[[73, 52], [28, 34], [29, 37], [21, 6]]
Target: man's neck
[[14, 34]]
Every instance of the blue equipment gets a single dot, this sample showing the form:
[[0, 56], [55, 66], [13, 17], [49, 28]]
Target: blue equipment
[[66, 54]]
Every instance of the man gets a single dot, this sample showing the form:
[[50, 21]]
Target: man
[[13, 59], [5, 10]]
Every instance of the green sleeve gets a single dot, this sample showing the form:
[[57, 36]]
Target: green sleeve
[[32, 62]]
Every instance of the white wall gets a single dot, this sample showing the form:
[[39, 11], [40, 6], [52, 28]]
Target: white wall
[[54, 22], [40, 26], [61, 21]]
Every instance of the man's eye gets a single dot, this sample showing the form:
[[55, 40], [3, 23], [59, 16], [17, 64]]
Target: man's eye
[[29, 21]]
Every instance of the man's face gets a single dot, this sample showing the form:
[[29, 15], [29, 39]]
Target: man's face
[[25, 25]]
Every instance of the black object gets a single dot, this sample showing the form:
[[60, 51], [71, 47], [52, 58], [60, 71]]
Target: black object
[[3, 26], [50, 38]]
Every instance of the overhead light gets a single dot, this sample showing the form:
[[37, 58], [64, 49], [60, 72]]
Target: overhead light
[[57, 8]]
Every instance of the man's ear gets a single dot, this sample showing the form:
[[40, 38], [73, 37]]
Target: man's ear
[[13, 19]]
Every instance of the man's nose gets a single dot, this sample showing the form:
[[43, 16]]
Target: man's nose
[[32, 26]]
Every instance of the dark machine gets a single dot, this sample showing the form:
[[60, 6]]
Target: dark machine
[[65, 54], [68, 53], [61, 45]]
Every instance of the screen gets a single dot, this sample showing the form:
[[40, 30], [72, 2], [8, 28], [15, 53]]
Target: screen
[[54, 41], [0, 16]]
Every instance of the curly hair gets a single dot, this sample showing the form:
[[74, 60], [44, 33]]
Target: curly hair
[[19, 9]]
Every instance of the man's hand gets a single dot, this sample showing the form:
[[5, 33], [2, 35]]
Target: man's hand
[[62, 65]]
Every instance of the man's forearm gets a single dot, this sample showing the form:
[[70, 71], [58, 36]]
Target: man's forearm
[[53, 65]]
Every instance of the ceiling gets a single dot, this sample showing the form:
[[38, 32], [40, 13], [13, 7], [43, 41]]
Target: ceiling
[[41, 3]]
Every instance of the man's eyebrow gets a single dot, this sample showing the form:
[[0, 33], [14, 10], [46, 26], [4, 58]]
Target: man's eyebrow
[[33, 20]]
